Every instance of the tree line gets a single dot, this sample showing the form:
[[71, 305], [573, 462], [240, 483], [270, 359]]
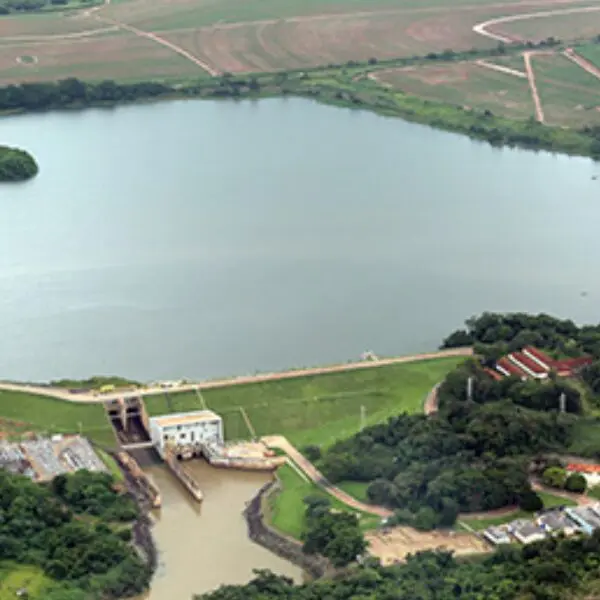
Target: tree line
[[553, 569], [88, 559]]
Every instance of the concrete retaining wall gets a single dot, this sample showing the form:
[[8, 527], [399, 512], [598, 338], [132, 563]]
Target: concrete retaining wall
[[316, 566]]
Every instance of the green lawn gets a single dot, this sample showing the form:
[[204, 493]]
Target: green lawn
[[356, 489], [318, 409], [13, 577], [30, 412], [287, 507]]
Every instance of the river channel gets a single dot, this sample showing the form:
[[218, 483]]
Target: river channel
[[201, 547], [202, 239]]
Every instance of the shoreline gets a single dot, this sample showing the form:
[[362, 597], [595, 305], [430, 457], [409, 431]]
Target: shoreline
[[94, 396], [350, 85]]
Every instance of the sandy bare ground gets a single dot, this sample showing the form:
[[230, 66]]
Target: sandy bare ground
[[539, 111], [62, 394], [501, 69], [482, 28], [394, 545], [585, 64]]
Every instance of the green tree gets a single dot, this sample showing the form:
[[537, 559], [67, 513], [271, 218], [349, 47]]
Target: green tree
[[576, 483], [554, 477], [531, 502]]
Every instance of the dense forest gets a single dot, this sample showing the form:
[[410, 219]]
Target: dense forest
[[16, 165], [512, 331], [555, 569], [65, 529]]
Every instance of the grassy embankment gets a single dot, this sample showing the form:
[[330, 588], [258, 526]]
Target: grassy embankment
[[319, 409], [21, 412], [286, 508]]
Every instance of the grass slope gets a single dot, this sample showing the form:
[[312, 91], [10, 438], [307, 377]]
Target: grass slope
[[30, 412], [14, 577], [318, 409], [287, 506]]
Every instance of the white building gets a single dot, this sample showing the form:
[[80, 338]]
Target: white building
[[186, 429]]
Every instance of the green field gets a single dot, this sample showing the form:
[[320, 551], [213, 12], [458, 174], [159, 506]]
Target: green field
[[590, 52], [15, 577], [287, 506], [29, 412], [318, 409], [466, 84], [569, 95]]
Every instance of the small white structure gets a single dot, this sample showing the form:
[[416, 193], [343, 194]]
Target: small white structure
[[186, 430]]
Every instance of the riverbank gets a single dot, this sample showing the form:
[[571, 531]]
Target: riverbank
[[354, 85]]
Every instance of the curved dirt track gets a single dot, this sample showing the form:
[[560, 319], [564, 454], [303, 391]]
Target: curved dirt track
[[501, 69], [481, 28], [280, 442], [62, 394]]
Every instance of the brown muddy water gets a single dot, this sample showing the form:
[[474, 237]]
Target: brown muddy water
[[203, 546]]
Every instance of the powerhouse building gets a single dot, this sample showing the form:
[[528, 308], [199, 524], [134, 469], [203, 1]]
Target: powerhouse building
[[185, 430]]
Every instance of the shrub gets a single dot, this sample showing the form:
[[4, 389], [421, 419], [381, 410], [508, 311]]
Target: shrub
[[576, 482], [530, 502]]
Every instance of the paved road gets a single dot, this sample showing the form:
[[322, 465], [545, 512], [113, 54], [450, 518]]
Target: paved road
[[278, 441], [63, 394]]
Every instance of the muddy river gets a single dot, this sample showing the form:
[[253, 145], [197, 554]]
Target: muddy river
[[201, 547]]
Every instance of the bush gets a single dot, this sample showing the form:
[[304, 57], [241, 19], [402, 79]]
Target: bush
[[576, 483], [425, 519], [531, 502], [555, 477], [312, 452]]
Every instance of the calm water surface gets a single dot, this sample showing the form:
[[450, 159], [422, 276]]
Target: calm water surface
[[204, 546], [209, 238]]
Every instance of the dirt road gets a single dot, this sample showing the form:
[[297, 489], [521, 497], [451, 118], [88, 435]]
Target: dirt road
[[482, 28], [501, 69], [539, 111], [586, 65], [63, 394]]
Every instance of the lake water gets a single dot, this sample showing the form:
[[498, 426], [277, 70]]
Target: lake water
[[199, 239]]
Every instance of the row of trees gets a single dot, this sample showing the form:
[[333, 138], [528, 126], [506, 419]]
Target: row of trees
[[516, 330], [554, 569], [40, 525]]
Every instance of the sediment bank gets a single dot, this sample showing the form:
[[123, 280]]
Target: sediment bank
[[316, 566]]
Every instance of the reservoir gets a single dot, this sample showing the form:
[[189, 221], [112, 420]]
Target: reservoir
[[201, 547], [204, 239]]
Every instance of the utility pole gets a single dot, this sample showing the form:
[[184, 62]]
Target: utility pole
[[470, 388], [563, 403]]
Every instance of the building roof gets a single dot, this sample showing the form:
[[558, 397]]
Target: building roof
[[186, 418], [522, 528], [586, 514], [556, 521]]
